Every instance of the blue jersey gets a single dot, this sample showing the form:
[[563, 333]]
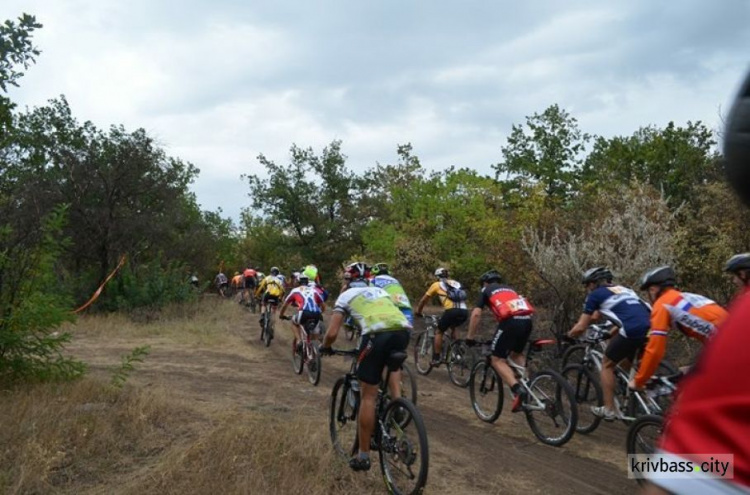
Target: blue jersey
[[622, 307]]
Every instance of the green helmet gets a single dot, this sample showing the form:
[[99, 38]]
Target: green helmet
[[311, 271], [379, 269]]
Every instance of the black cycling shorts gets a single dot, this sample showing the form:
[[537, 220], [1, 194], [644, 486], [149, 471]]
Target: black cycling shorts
[[452, 318], [269, 299], [303, 317], [250, 282], [374, 353], [511, 336], [620, 348]]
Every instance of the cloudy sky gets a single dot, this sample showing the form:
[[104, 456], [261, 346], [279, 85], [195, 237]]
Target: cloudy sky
[[220, 82]]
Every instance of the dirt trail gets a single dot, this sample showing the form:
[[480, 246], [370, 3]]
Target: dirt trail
[[466, 455]]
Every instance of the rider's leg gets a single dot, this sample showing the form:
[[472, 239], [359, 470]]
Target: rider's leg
[[504, 370], [438, 345], [366, 415], [518, 358], [394, 384], [608, 383]]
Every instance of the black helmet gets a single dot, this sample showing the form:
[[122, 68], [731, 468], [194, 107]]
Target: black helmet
[[737, 143], [596, 274], [491, 276], [662, 276], [303, 279], [738, 262], [380, 269]]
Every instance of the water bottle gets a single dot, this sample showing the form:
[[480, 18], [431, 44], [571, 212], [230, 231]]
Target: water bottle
[[355, 385]]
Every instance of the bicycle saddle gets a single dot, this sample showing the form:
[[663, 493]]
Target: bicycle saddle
[[395, 360]]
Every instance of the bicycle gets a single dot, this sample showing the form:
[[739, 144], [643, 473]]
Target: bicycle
[[629, 404], [308, 354], [454, 353], [266, 332], [547, 394], [350, 329], [400, 437]]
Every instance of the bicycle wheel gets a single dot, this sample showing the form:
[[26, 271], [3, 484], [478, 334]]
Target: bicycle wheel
[[551, 409], [297, 360], [588, 393], [404, 454], [423, 348], [460, 363], [643, 434], [268, 333], [313, 364], [486, 392], [573, 355], [408, 384], [343, 418]]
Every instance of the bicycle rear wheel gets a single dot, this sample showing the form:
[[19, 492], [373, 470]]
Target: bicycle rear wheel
[[643, 435], [555, 418], [423, 349], [486, 392], [460, 363], [408, 384], [404, 453], [298, 361], [588, 393], [314, 364], [343, 418]]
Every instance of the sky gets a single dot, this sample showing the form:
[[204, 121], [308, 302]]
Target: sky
[[219, 82]]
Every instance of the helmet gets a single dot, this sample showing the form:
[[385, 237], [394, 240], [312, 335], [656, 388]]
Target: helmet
[[441, 273], [662, 276], [380, 269], [737, 143], [491, 276], [236, 273], [595, 274], [303, 279], [311, 271], [358, 270], [274, 271], [738, 262]]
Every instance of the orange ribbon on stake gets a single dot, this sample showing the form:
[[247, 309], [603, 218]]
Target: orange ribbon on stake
[[101, 287]]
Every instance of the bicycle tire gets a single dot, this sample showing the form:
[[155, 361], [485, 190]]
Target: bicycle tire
[[588, 392], [423, 348], [569, 413], [573, 355], [343, 414], [397, 446], [407, 377], [460, 363], [314, 365], [268, 330], [635, 440], [485, 382], [298, 361]]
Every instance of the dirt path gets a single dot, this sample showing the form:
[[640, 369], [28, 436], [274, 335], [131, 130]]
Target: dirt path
[[466, 455]]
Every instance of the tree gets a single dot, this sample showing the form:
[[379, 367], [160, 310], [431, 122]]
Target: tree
[[16, 52]]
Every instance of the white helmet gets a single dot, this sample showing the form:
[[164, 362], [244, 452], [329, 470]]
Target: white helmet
[[441, 273]]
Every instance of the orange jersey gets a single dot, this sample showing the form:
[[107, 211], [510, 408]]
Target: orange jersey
[[695, 316], [237, 281]]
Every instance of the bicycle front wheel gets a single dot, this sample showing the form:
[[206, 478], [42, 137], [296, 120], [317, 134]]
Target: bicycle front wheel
[[486, 392], [642, 438], [343, 418], [423, 349], [551, 409], [588, 394], [313, 364], [404, 453], [573, 355], [460, 363]]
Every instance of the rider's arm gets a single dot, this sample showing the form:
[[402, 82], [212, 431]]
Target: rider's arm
[[337, 319], [581, 326], [283, 308], [656, 347], [476, 316], [427, 295]]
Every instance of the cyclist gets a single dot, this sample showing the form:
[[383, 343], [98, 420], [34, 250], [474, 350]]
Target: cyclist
[[312, 273], [250, 282], [513, 314], [739, 266], [271, 288], [694, 315], [382, 279], [384, 329], [453, 299], [221, 282], [624, 308], [237, 282], [309, 304]]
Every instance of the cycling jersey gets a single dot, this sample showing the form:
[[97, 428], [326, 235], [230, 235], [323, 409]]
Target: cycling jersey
[[221, 279], [237, 281], [711, 411], [272, 286], [320, 289], [372, 310], [694, 315], [305, 298], [393, 288], [504, 302], [621, 306], [438, 289]]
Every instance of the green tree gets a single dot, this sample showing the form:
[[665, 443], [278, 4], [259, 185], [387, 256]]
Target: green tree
[[17, 53]]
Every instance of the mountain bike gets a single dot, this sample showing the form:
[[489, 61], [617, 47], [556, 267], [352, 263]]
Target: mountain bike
[[550, 406], [350, 328], [454, 353], [307, 354], [266, 325], [584, 378], [400, 437]]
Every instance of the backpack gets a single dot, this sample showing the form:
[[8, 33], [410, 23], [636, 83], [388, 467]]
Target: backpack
[[453, 291]]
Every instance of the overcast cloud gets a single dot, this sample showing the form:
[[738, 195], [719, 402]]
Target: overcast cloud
[[220, 82]]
